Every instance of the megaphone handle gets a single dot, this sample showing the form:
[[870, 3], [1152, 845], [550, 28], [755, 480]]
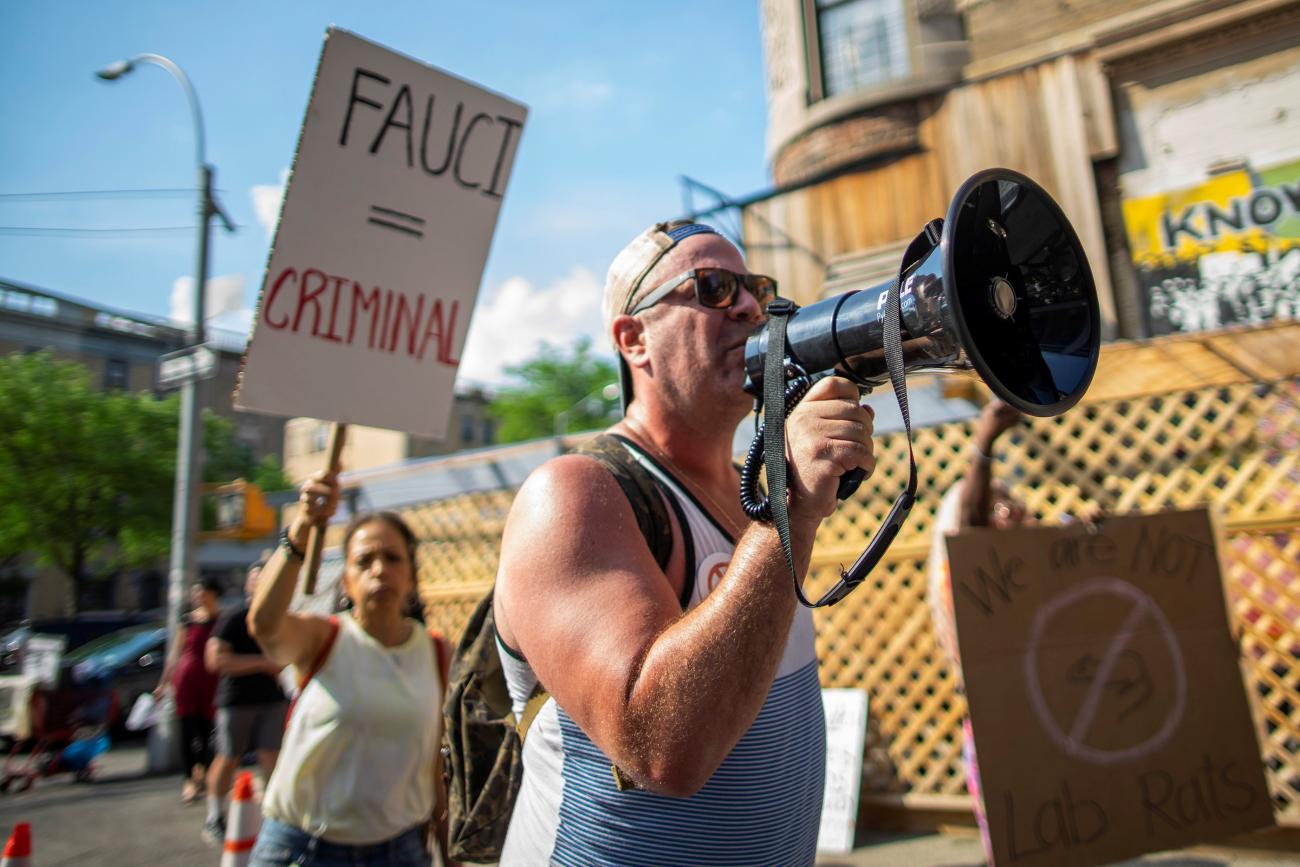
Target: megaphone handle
[[849, 483]]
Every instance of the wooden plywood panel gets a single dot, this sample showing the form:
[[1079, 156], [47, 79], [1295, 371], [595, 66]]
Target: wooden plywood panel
[[1263, 353], [1149, 370], [1098, 110], [1271, 352], [1047, 121]]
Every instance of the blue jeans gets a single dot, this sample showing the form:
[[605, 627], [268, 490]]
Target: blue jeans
[[281, 845]]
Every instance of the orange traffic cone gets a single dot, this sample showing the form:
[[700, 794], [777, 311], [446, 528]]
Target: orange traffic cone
[[18, 851], [243, 822]]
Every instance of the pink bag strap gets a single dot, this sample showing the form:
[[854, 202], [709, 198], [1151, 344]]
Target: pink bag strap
[[316, 664]]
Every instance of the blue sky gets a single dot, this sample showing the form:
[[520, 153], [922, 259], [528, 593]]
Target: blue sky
[[623, 99]]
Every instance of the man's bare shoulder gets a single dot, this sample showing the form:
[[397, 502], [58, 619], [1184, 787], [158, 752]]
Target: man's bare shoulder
[[571, 539], [567, 493], [570, 507]]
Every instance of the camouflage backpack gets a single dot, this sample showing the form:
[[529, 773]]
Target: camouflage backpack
[[483, 742]]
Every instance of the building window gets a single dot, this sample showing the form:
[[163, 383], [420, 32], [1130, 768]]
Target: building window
[[320, 438], [115, 374], [863, 44], [489, 431], [249, 439], [467, 429]]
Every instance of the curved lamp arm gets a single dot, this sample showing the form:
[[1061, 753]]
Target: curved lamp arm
[[119, 68]]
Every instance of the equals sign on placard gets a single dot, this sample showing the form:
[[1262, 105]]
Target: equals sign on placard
[[407, 224]]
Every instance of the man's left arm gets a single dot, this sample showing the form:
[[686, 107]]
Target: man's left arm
[[219, 656]]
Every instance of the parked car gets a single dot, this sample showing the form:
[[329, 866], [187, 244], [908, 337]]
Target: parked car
[[113, 670], [79, 630], [11, 648]]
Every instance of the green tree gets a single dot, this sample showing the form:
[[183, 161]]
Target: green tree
[[556, 390], [86, 477], [269, 475], [226, 458]]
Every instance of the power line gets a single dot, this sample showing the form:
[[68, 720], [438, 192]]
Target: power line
[[60, 231], [65, 195]]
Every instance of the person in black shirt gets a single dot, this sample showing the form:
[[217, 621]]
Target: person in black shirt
[[251, 707]]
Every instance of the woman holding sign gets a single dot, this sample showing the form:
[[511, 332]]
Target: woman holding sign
[[357, 780], [975, 501]]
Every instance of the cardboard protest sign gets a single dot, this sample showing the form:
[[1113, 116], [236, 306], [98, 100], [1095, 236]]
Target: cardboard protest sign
[[382, 240], [1105, 694]]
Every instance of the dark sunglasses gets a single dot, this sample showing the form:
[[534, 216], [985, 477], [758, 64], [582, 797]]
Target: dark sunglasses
[[714, 287]]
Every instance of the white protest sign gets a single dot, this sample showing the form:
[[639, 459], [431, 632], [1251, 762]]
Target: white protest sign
[[382, 240], [846, 736], [42, 655], [15, 706]]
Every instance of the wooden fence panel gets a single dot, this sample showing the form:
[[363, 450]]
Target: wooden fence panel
[[1234, 446]]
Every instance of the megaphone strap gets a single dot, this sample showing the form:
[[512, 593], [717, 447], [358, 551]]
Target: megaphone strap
[[775, 400], [884, 536], [774, 410]]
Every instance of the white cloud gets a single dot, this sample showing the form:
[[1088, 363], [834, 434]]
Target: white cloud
[[573, 218], [225, 295], [511, 326], [588, 94], [235, 321], [574, 93], [266, 202]]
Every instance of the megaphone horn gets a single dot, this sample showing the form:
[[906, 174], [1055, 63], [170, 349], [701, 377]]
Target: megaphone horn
[[1001, 287]]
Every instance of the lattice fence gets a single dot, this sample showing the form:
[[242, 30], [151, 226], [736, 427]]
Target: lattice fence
[[1237, 447]]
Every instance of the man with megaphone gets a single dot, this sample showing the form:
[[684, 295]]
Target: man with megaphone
[[684, 722], [680, 717]]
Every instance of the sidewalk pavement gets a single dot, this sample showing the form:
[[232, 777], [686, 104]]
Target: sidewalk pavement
[[121, 819], [962, 849], [125, 818]]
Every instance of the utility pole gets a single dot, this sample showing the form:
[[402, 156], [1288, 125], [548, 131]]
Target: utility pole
[[189, 445]]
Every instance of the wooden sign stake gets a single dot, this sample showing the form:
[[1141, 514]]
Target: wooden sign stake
[[316, 539]]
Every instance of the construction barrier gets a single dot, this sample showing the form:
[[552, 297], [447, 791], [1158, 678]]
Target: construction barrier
[[243, 823], [18, 851]]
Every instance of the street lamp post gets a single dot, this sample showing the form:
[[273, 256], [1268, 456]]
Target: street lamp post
[[189, 445]]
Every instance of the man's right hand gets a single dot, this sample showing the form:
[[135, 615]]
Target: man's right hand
[[827, 434]]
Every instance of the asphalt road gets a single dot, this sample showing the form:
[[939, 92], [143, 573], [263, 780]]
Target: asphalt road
[[124, 818], [120, 818]]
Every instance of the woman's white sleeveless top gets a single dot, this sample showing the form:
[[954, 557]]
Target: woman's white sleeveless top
[[357, 761]]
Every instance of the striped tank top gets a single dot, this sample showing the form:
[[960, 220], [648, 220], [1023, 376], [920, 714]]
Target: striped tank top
[[762, 805]]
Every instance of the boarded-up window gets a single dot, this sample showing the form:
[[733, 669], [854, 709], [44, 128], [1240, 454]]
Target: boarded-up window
[[863, 44]]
